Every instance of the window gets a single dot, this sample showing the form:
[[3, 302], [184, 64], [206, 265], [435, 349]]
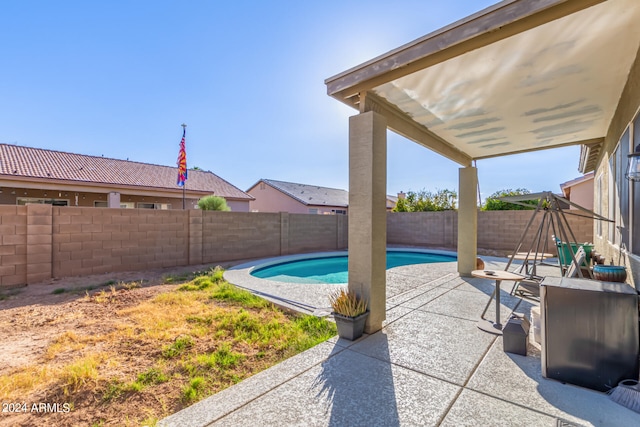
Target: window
[[598, 204], [163, 206], [612, 198], [634, 194], [624, 195], [55, 202], [313, 211], [123, 205], [338, 211], [622, 190]]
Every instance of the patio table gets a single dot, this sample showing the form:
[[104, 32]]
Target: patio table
[[486, 325]]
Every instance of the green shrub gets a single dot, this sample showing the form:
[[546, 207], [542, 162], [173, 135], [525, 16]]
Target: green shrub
[[493, 204], [213, 203], [422, 201]]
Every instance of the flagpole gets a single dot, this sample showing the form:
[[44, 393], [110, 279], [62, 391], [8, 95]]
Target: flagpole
[[184, 129]]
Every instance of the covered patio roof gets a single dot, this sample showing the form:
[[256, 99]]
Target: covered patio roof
[[519, 76]]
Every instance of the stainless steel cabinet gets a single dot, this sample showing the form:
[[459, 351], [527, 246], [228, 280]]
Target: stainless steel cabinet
[[589, 332]]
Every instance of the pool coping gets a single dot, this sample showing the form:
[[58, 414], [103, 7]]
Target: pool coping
[[305, 298]]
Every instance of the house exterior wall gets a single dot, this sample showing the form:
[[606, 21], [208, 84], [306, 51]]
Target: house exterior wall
[[268, 199], [239, 206], [89, 199], [607, 238], [582, 194]]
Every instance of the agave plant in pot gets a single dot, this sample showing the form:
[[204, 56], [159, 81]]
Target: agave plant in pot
[[350, 313]]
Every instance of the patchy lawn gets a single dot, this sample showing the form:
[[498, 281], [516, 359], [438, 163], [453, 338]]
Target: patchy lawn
[[130, 353]]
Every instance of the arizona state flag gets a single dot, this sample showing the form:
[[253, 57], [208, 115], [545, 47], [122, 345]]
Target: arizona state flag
[[182, 161]]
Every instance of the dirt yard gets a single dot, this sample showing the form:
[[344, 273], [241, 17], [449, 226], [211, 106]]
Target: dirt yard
[[33, 317]]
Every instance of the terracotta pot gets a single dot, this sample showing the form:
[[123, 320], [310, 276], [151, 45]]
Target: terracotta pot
[[610, 273]]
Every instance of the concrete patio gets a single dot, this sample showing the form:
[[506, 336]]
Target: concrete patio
[[429, 366]]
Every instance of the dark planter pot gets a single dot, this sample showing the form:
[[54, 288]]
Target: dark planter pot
[[350, 328], [610, 273]]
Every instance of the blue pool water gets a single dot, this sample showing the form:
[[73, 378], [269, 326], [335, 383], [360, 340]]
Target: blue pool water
[[335, 269]]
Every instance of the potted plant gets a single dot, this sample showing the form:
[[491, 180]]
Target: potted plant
[[349, 312]]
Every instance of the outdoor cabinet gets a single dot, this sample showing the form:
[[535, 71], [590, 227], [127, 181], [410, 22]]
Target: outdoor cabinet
[[589, 332]]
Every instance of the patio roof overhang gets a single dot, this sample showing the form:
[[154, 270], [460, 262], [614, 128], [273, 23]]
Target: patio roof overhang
[[519, 76]]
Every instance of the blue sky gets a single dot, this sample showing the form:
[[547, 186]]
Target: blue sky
[[117, 78]]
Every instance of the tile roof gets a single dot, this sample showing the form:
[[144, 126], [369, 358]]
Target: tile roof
[[311, 194], [57, 165]]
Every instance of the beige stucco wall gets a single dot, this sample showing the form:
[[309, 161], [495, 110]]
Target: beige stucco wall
[[268, 199], [239, 206], [625, 112], [582, 194]]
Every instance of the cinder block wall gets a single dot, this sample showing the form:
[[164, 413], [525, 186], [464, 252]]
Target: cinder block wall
[[309, 233], [230, 236], [13, 246], [497, 230], [435, 229], [100, 240], [39, 242], [503, 229]]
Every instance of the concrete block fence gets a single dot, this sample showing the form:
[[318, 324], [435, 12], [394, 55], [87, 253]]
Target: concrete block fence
[[40, 242]]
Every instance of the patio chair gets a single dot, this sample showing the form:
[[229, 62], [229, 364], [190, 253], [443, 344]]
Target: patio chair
[[580, 256], [530, 288], [527, 289]]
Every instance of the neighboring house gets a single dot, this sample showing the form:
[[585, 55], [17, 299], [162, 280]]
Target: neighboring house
[[280, 196], [35, 175], [579, 191], [392, 201]]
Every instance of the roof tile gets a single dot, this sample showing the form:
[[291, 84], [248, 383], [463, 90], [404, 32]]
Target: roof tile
[[40, 163]]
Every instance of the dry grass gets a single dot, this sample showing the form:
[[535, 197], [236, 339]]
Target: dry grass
[[162, 354]]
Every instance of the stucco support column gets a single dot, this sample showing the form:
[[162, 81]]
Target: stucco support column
[[467, 220], [367, 213]]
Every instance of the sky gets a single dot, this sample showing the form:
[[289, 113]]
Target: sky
[[118, 78]]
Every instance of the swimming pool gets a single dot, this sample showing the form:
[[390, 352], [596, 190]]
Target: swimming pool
[[334, 269]]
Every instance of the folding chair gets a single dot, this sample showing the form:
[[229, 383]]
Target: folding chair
[[574, 267]]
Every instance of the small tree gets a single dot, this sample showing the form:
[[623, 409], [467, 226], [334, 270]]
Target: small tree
[[213, 203], [493, 204], [421, 201]]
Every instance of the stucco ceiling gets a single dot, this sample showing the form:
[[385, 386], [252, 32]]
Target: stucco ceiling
[[550, 84]]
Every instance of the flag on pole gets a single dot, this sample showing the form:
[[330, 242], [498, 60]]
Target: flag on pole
[[182, 161]]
